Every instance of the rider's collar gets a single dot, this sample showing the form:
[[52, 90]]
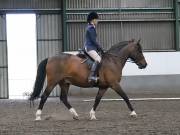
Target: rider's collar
[[92, 25]]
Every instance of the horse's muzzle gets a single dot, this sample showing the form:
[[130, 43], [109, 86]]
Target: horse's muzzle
[[142, 66]]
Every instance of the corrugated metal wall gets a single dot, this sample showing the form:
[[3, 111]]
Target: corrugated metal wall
[[151, 20], [49, 38], [75, 35], [49, 32], [30, 4], [3, 59], [155, 28], [72, 4], [154, 35]]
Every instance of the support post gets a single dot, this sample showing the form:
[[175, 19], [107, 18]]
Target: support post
[[64, 25], [176, 12]]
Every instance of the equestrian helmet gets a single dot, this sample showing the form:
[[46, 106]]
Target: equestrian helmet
[[92, 15]]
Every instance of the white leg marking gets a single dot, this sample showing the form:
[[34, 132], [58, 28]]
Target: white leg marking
[[38, 114], [133, 114], [74, 113], [92, 114]]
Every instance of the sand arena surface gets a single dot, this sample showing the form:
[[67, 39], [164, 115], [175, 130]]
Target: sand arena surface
[[154, 118]]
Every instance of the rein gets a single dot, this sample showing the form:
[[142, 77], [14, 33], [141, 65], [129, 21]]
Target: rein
[[128, 60]]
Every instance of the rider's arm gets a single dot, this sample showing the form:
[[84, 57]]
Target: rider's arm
[[92, 37]]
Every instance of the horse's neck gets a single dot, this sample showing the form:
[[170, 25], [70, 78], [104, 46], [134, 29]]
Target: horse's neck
[[123, 54], [119, 59]]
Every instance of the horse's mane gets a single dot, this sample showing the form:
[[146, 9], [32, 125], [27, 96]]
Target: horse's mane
[[117, 47]]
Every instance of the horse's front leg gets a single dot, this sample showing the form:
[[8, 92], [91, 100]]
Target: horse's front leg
[[96, 103], [120, 92]]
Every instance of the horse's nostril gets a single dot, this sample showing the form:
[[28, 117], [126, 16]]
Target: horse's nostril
[[142, 66], [145, 65]]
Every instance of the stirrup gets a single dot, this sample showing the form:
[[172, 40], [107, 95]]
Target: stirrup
[[93, 79]]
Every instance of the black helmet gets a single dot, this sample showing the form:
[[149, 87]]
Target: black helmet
[[91, 16]]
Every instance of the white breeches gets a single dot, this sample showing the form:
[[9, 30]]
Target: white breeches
[[94, 55]]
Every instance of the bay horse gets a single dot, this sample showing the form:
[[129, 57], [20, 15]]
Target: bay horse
[[67, 69]]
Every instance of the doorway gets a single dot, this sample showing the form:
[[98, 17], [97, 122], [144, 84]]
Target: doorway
[[22, 54]]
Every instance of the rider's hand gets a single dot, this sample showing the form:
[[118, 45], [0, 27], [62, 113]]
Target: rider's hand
[[102, 51]]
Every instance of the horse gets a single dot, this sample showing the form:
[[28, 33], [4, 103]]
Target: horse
[[68, 69]]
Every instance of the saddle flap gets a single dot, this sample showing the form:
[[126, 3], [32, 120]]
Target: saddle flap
[[88, 60]]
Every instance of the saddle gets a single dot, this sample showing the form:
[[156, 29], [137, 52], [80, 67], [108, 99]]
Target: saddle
[[89, 61], [86, 58]]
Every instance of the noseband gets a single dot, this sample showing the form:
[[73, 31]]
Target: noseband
[[128, 60]]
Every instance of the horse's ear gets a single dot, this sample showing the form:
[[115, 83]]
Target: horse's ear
[[138, 41], [132, 40]]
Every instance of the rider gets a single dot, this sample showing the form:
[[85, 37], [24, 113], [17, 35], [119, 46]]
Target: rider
[[91, 45]]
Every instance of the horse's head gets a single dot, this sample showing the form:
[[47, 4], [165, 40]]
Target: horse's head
[[136, 54]]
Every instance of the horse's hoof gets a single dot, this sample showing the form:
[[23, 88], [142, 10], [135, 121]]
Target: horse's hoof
[[75, 117], [93, 118], [92, 115], [74, 113], [133, 114], [38, 119]]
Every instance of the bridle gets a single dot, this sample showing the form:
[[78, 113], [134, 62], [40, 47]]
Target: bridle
[[128, 60]]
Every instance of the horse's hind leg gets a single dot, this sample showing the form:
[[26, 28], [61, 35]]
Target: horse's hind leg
[[43, 100], [64, 99], [96, 103], [120, 92]]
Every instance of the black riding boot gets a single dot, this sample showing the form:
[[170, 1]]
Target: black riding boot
[[93, 75]]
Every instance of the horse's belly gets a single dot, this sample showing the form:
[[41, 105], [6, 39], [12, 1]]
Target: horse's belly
[[78, 82]]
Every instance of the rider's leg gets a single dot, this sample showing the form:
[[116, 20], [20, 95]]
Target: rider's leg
[[93, 73], [94, 68]]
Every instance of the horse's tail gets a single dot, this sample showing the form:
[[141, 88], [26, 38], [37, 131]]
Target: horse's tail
[[40, 78]]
